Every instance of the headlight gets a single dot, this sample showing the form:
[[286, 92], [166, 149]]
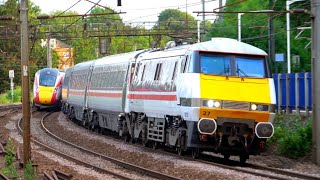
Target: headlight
[[259, 107], [254, 107], [217, 104], [211, 103]]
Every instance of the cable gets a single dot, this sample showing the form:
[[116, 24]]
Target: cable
[[251, 22], [78, 18], [183, 6], [69, 8], [228, 5], [168, 7]]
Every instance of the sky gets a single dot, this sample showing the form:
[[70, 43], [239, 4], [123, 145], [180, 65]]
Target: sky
[[135, 10]]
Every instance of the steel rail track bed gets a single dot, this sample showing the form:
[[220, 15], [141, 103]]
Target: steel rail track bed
[[120, 163]]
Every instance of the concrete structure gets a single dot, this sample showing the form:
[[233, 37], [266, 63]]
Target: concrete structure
[[65, 53]]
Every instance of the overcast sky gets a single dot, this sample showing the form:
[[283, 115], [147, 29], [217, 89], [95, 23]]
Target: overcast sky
[[136, 10]]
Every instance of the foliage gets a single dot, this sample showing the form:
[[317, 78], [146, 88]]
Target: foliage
[[254, 28], [10, 48], [28, 173], [6, 97], [177, 25], [9, 169], [293, 136]]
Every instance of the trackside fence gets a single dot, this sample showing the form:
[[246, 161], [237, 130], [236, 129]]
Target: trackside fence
[[293, 92]]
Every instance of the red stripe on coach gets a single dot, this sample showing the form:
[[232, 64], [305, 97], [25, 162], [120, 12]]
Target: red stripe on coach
[[153, 97], [104, 94]]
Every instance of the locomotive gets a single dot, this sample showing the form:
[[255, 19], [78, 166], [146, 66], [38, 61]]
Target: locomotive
[[215, 96], [47, 88]]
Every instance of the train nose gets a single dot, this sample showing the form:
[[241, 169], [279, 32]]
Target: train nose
[[45, 96]]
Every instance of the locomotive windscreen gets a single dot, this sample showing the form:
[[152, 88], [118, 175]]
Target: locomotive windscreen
[[48, 77], [232, 65]]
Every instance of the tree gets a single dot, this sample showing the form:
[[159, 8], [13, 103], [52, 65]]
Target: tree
[[177, 25], [255, 27], [10, 47]]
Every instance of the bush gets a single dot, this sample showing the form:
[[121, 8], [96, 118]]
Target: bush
[[28, 172], [17, 96], [9, 169], [293, 136]]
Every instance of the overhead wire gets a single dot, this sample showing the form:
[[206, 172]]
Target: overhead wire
[[250, 22], [34, 36], [69, 8], [182, 6]]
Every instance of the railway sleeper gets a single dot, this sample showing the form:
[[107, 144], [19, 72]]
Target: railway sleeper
[[2, 150], [47, 176], [2, 176], [20, 161], [62, 175]]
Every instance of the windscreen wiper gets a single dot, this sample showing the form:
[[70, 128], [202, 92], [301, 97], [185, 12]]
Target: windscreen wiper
[[225, 71], [241, 71]]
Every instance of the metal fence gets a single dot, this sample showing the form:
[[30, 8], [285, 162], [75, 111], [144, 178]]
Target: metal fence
[[293, 92]]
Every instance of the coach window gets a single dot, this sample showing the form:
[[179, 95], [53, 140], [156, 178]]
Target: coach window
[[184, 64], [105, 79], [174, 71], [137, 69], [144, 68], [158, 72]]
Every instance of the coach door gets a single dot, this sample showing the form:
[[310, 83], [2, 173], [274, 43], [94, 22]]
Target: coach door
[[126, 87], [87, 86]]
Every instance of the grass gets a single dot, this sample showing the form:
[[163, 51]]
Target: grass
[[293, 136], [6, 97]]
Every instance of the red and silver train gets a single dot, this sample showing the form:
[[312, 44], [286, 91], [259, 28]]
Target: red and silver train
[[47, 88], [216, 96]]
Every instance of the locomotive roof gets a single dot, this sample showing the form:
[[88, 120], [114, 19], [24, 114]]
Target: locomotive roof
[[221, 45], [118, 58], [227, 45]]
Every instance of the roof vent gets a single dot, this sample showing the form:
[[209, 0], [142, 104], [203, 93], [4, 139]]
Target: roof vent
[[170, 44]]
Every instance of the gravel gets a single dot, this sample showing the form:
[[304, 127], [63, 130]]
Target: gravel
[[136, 155]]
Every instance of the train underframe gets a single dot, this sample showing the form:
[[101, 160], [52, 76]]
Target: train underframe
[[232, 137]]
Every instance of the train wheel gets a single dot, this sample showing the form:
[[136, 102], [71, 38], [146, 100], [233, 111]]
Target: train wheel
[[145, 143], [94, 123], [195, 153], [127, 137], [155, 145], [243, 158], [144, 134], [180, 151], [181, 141], [226, 156]]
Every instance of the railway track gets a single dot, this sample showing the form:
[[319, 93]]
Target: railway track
[[120, 163], [7, 109], [254, 169], [258, 170]]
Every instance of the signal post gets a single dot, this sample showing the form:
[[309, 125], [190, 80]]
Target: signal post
[[25, 81], [315, 49]]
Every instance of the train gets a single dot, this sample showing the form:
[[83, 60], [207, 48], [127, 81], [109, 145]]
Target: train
[[47, 88], [215, 96]]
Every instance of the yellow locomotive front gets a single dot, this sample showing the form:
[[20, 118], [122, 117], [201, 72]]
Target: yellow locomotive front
[[234, 102], [237, 102]]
